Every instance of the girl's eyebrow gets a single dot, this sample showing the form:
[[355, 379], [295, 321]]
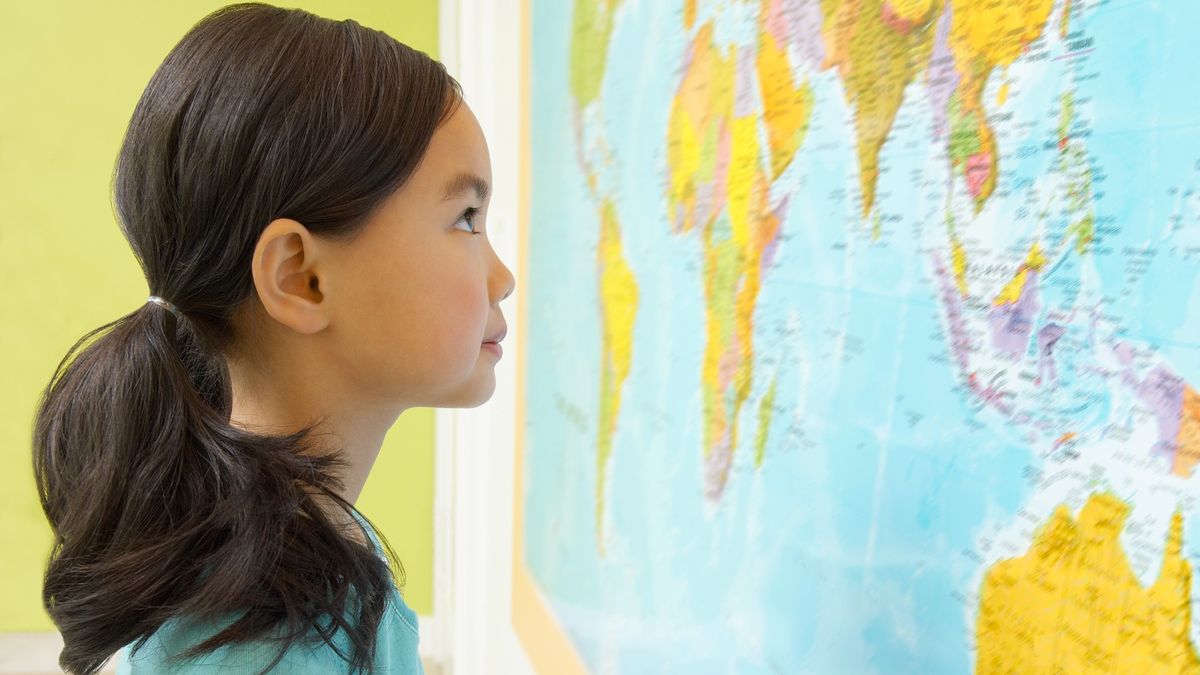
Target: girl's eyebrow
[[462, 182]]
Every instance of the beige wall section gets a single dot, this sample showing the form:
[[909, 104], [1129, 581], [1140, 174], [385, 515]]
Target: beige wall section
[[71, 73]]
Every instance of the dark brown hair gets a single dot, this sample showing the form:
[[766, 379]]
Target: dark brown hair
[[161, 509]]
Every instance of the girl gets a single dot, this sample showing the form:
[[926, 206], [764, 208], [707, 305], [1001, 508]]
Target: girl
[[306, 199]]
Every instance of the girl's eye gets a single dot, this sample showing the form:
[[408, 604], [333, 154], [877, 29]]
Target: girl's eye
[[468, 217]]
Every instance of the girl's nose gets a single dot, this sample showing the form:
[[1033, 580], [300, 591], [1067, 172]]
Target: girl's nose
[[502, 282]]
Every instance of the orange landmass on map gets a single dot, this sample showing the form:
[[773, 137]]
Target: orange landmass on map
[[985, 36], [786, 106], [689, 13], [1187, 444], [719, 180], [876, 62]]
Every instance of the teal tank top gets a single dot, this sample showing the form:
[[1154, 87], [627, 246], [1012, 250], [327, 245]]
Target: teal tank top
[[395, 648]]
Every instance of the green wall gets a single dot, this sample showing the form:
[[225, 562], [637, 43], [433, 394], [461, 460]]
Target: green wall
[[71, 74]]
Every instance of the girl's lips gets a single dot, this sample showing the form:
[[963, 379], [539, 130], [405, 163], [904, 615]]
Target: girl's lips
[[494, 348]]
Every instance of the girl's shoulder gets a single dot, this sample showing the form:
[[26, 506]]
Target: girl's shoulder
[[396, 601], [396, 649]]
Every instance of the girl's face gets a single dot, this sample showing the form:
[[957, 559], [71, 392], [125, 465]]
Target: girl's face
[[416, 318]]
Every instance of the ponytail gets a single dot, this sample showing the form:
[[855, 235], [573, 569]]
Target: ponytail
[[161, 509]]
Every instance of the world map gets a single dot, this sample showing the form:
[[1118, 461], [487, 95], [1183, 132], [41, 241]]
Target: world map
[[864, 335]]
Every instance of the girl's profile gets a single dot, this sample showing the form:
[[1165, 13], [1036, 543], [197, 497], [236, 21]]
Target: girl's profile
[[308, 200]]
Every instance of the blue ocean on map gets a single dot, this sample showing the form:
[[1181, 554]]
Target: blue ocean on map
[[906, 448]]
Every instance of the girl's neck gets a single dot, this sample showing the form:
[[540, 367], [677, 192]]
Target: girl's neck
[[287, 399]]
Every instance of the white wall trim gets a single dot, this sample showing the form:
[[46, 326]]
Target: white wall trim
[[474, 491], [448, 34], [35, 654], [430, 645]]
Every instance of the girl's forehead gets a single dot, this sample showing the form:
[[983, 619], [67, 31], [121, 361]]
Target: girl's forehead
[[457, 158]]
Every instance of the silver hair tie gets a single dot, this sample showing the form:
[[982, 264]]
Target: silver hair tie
[[172, 308]]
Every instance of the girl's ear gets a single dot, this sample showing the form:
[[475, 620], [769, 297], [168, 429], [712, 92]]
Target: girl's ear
[[287, 277]]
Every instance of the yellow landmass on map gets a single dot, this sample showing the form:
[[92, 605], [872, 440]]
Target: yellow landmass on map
[[619, 306], [958, 260], [876, 63], [1072, 604], [990, 34], [1034, 262], [742, 177]]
